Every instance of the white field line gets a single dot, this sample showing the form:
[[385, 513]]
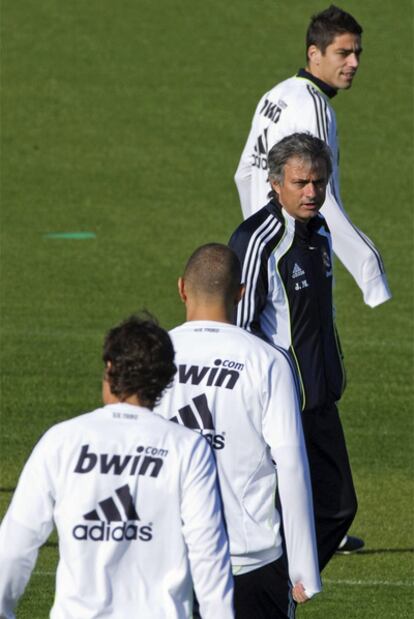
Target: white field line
[[369, 583], [328, 581]]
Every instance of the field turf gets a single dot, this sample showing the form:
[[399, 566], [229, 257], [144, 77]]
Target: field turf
[[126, 120]]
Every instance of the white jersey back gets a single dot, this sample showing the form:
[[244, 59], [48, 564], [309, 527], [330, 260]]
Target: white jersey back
[[119, 483], [240, 394]]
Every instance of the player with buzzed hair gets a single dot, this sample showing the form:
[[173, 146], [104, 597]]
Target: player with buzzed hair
[[133, 497], [211, 272], [241, 395]]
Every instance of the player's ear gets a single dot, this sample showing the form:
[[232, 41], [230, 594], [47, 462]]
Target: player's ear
[[240, 293], [314, 54], [181, 289], [275, 186]]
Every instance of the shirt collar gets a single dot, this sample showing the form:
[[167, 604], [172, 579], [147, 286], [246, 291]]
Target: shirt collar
[[303, 230], [326, 89]]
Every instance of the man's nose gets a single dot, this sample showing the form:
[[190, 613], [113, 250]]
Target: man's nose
[[310, 190], [353, 60]]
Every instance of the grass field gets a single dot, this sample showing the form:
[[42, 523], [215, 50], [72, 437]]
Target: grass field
[[126, 120]]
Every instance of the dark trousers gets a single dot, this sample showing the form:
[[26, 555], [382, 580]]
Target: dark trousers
[[264, 593], [334, 498]]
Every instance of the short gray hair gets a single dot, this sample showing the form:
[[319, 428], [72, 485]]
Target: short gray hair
[[304, 146]]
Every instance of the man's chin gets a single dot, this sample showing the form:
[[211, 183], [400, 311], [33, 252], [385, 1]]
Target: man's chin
[[345, 84], [309, 214]]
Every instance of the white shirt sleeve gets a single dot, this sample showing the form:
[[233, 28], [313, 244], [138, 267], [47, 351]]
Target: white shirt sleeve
[[205, 535], [25, 527], [354, 249], [282, 429], [243, 175], [18, 553], [356, 252]]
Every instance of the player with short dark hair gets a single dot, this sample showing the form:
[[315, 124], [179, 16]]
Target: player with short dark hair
[[241, 395], [327, 25], [139, 358], [133, 497], [285, 250], [302, 103]]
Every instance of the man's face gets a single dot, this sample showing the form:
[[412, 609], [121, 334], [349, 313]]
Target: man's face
[[302, 191], [338, 65]]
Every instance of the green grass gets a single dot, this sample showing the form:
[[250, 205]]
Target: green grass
[[127, 120]]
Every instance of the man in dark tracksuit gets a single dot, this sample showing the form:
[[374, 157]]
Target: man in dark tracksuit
[[285, 250]]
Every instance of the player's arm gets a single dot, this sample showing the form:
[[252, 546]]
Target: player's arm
[[354, 249], [249, 242], [205, 535], [25, 527], [243, 179], [282, 429], [243, 175]]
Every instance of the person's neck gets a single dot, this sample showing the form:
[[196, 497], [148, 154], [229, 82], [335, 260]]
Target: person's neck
[[310, 73], [110, 398], [215, 313]]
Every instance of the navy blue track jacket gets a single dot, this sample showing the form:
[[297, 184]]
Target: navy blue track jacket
[[287, 272]]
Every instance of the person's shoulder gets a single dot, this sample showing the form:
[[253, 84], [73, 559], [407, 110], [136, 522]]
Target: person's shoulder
[[288, 89], [255, 347], [175, 331], [62, 428], [61, 434], [258, 221], [258, 346]]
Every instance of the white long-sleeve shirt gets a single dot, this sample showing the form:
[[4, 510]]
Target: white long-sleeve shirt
[[301, 103], [240, 393], [135, 503]]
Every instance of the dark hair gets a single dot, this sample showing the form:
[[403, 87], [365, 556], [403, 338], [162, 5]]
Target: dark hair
[[304, 146], [142, 359], [213, 270], [325, 26]]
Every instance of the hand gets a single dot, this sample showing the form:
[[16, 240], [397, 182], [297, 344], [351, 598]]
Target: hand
[[298, 593]]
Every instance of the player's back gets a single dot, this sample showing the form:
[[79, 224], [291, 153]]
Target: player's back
[[117, 475], [226, 381]]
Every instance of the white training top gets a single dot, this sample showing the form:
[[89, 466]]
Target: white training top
[[298, 105], [240, 393], [135, 503]]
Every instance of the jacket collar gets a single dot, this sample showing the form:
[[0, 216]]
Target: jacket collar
[[302, 230], [326, 89]]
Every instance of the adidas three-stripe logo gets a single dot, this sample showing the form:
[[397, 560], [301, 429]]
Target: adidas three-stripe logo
[[198, 419], [111, 511]]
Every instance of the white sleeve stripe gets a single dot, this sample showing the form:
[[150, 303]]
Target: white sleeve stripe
[[370, 245], [323, 123], [321, 113], [294, 371], [251, 268], [359, 232]]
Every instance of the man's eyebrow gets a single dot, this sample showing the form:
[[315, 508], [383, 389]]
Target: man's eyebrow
[[350, 50], [297, 179]]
